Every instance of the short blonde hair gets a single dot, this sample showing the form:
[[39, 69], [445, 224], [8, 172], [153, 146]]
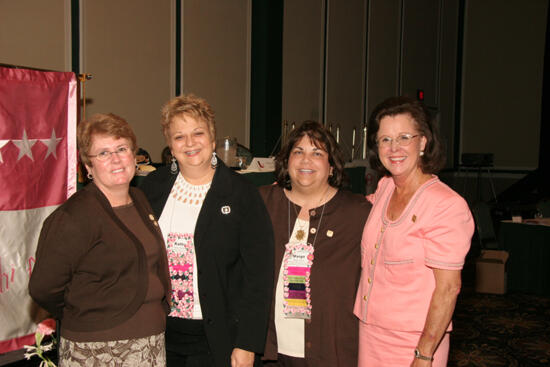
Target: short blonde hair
[[187, 105]]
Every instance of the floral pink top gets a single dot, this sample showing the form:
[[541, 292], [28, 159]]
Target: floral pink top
[[397, 257]]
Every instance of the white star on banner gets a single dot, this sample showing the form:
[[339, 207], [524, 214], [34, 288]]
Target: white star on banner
[[51, 143], [2, 143], [24, 146]]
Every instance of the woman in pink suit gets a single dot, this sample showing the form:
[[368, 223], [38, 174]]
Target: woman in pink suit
[[414, 243]]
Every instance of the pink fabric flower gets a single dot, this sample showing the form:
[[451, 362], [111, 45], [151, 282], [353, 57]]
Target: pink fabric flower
[[46, 327]]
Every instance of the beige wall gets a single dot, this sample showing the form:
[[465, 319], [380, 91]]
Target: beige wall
[[420, 50], [325, 87], [216, 61], [384, 33], [345, 69], [303, 44], [127, 47], [35, 34], [391, 46], [502, 84], [447, 75]]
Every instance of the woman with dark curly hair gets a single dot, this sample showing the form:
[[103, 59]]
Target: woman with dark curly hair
[[414, 243], [317, 229]]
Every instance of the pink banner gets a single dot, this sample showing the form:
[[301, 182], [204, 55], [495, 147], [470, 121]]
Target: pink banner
[[37, 173]]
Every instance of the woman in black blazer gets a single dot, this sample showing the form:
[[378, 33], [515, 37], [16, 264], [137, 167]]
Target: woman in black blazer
[[219, 242]]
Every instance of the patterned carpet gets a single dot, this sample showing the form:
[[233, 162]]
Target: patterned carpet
[[500, 330], [511, 330]]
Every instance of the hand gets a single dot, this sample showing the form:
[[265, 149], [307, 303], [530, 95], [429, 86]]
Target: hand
[[242, 358]]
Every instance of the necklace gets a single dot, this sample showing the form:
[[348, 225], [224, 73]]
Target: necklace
[[301, 233], [188, 193]]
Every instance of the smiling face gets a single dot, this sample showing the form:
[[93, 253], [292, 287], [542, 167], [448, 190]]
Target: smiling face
[[191, 143], [308, 166], [116, 172], [400, 160]]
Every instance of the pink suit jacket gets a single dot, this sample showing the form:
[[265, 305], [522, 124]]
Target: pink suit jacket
[[397, 257]]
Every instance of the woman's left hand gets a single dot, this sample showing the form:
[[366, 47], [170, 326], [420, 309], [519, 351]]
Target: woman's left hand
[[242, 358]]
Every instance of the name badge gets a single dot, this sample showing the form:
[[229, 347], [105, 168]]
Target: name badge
[[297, 262]]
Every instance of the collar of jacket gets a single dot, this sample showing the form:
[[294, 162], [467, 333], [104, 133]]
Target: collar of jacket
[[93, 189], [222, 185]]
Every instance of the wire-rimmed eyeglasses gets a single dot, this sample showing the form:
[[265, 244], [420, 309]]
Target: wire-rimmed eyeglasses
[[402, 140], [121, 151]]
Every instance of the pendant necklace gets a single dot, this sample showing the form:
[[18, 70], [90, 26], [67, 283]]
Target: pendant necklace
[[300, 233]]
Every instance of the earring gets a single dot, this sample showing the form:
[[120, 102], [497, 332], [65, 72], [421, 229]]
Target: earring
[[90, 177], [421, 153], [214, 160], [173, 166]]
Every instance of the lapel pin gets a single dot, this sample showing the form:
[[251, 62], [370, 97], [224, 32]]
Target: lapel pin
[[226, 209], [330, 233]]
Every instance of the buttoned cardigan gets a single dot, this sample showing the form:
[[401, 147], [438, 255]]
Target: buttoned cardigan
[[91, 270], [331, 336]]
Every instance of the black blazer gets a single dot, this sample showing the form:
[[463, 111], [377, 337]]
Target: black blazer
[[234, 253]]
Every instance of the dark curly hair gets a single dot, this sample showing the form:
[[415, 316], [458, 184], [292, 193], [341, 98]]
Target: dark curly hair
[[433, 159], [322, 139]]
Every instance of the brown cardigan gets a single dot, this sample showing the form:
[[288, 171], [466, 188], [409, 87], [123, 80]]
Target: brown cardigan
[[331, 336], [91, 270]]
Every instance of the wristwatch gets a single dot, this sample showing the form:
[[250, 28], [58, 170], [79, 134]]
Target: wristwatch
[[420, 356]]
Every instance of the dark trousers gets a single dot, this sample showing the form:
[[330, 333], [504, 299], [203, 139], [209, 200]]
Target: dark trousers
[[186, 344]]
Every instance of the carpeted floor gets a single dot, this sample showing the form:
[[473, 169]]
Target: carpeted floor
[[500, 330], [511, 330]]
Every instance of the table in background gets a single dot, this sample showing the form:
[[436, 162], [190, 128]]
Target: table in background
[[529, 263], [356, 177]]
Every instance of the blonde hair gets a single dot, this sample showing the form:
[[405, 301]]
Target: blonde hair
[[187, 105]]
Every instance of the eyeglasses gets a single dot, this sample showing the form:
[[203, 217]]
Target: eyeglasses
[[122, 151], [402, 140]]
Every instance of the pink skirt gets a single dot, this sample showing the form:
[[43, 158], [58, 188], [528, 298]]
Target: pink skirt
[[380, 347]]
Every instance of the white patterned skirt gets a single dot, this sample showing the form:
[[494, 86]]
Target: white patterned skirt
[[148, 351]]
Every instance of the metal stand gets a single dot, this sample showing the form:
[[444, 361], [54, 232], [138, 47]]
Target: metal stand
[[479, 168]]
